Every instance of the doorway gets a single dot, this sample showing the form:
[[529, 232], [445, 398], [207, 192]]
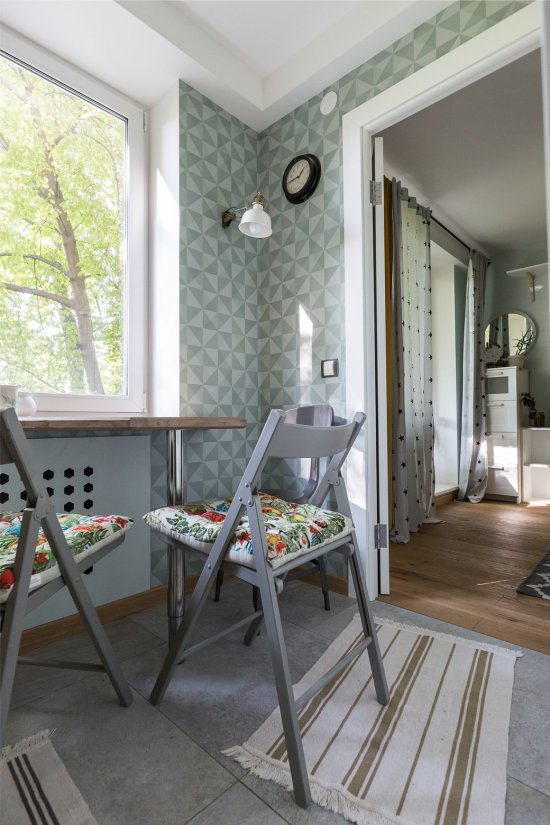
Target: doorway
[[504, 43]]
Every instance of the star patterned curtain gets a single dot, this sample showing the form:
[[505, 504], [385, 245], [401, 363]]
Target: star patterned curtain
[[472, 482], [413, 478]]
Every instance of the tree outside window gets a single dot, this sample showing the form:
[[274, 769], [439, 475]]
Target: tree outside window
[[62, 238]]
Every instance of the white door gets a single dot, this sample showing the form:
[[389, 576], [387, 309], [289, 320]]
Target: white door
[[378, 364]]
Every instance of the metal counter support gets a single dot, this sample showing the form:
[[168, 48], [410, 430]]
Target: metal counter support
[[176, 559]]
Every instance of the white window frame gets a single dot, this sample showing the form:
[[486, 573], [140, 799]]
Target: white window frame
[[135, 318]]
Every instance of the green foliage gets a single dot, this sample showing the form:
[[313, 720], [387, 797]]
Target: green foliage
[[62, 220]]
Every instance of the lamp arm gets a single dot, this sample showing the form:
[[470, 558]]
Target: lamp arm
[[231, 215]]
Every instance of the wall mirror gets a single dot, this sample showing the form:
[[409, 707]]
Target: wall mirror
[[514, 333]]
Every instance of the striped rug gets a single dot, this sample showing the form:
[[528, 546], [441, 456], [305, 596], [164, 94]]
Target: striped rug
[[436, 755], [36, 788]]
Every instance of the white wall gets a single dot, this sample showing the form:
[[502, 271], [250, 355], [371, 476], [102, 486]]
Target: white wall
[[164, 284]]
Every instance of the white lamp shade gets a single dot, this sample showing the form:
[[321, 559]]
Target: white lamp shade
[[255, 222]]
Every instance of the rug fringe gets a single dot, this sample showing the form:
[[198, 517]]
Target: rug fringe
[[330, 798], [26, 745], [448, 637]]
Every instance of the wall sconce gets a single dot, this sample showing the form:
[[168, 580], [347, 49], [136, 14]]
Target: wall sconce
[[530, 272], [255, 221]]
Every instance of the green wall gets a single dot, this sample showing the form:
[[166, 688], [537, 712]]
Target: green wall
[[504, 294]]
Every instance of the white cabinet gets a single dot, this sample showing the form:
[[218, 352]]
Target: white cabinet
[[503, 388], [536, 465]]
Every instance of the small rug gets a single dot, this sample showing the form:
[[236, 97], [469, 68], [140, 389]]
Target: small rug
[[436, 755], [537, 583], [36, 787]]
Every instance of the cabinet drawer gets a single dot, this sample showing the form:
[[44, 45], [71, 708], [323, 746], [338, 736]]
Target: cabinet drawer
[[505, 383], [500, 483], [502, 462], [502, 416]]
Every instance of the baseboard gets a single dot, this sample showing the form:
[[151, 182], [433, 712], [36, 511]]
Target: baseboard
[[45, 634], [445, 498]]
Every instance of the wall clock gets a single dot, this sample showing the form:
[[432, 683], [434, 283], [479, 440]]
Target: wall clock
[[301, 177]]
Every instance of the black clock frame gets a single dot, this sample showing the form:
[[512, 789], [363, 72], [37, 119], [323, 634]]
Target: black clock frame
[[311, 183]]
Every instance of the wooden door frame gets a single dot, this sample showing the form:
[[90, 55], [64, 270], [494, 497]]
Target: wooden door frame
[[509, 40]]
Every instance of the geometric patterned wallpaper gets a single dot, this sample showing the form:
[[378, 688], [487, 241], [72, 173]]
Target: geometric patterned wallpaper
[[257, 317], [218, 298], [219, 291]]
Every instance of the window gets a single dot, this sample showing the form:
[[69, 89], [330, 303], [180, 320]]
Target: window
[[72, 229]]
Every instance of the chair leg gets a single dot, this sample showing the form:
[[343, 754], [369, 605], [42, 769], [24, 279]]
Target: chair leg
[[279, 658], [375, 657], [12, 625], [192, 612], [219, 582], [324, 581], [285, 694], [83, 603], [254, 626]]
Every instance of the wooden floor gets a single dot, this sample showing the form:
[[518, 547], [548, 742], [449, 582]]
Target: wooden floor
[[465, 570]]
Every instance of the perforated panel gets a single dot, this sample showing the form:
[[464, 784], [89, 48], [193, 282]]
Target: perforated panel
[[94, 475]]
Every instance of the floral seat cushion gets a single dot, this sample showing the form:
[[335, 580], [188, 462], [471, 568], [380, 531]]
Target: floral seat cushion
[[292, 529], [85, 535]]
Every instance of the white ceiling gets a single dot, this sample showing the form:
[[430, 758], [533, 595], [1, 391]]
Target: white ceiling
[[478, 157], [259, 59]]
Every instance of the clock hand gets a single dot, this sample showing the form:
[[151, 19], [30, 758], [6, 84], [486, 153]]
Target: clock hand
[[295, 177]]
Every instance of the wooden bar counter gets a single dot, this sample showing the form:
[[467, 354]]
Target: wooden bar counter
[[136, 423]]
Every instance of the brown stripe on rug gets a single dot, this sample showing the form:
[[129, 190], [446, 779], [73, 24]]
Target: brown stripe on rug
[[537, 583], [436, 755], [36, 787]]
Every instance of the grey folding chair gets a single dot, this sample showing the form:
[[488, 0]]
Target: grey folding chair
[[315, 415], [26, 593], [278, 439]]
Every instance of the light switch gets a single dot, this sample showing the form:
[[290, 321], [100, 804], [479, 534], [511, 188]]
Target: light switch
[[329, 368]]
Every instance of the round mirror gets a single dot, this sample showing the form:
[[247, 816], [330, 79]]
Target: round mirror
[[512, 334]]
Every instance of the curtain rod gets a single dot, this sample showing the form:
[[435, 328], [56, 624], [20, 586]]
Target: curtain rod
[[442, 225], [463, 243]]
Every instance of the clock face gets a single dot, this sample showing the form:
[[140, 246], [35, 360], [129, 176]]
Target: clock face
[[297, 176], [301, 177]]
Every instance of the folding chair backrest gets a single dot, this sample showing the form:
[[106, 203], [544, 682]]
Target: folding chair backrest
[[281, 440], [314, 415]]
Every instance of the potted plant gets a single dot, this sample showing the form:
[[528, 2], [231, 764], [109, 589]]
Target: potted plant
[[522, 345], [528, 401]]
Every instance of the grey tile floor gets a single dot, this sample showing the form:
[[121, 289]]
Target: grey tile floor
[[163, 765]]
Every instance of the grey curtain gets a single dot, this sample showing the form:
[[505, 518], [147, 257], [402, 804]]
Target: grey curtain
[[473, 444], [413, 479]]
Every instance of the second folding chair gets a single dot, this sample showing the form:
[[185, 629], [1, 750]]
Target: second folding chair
[[260, 539]]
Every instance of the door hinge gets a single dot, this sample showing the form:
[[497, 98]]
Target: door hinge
[[145, 121], [380, 536], [375, 192]]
